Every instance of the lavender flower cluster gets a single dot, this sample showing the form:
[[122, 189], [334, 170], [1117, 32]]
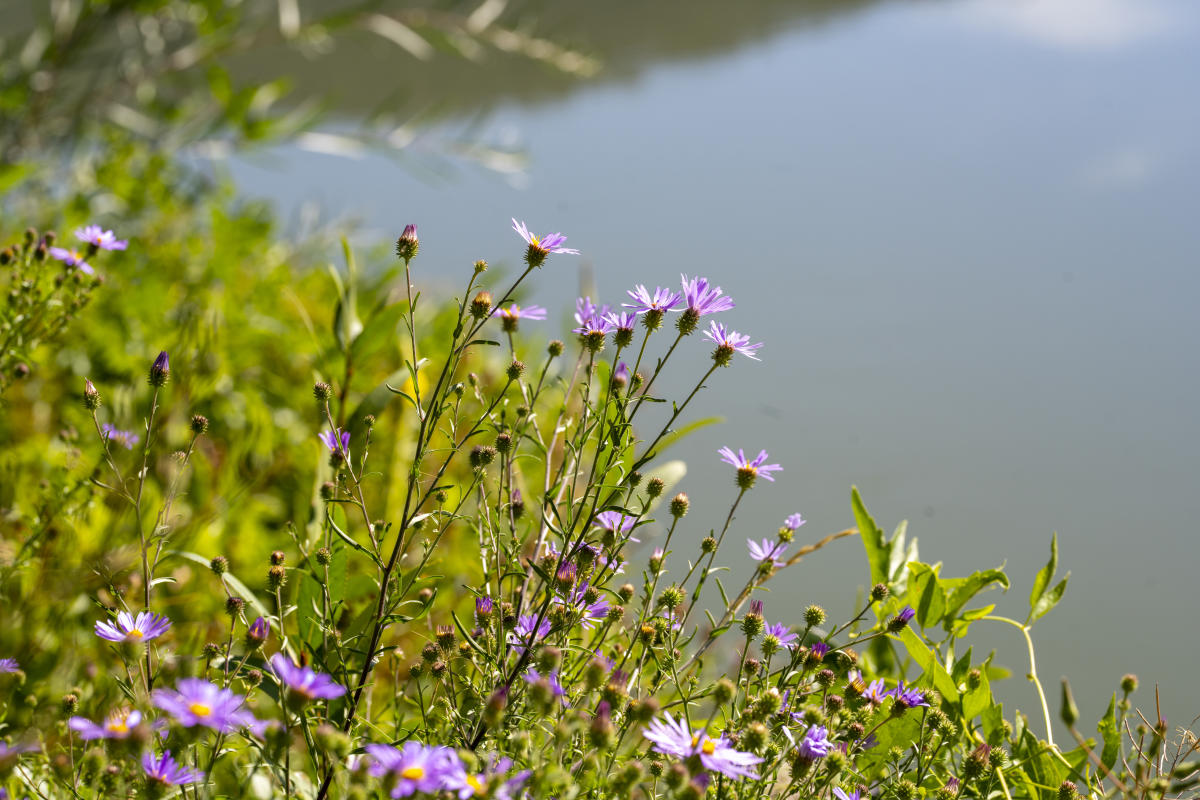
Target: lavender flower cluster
[[511, 601]]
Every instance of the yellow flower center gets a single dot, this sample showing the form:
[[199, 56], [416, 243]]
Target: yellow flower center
[[199, 709], [117, 726], [135, 634], [475, 784], [413, 773], [708, 747], [535, 241]]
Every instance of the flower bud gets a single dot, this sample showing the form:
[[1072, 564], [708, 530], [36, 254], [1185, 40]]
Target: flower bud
[[708, 545], [278, 557], [70, 703], [679, 505], [234, 605], [276, 577], [480, 266], [482, 455], [687, 321], [91, 397], [1068, 791], [514, 370], [408, 244], [199, 424], [879, 592], [901, 620], [1129, 683], [813, 616], [654, 487], [257, 633], [219, 565], [160, 370], [323, 556], [481, 306], [752, 622], [322, 391], [555, 348], [328, 491]]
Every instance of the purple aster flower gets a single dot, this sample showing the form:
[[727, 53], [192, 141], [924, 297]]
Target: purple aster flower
[[9, 753], [514, 313], [621, 374], [303, 681], [117, 725], [729, 342], [338, 441], [526, 633], [819, 649], [540, 247], [623, 321], [466, 784], [748, 471], [128, 628], [703, 299], [793, 522], [198, 702], [551, 678], [909, 698], [903, 618], [585, 309], [766, 550], [72, 258], [126, 439], [165, 771], [9, 665], [783, 634], [595, 326], [415, 768], [662, 300], [592, 612], [875, 693], [616, 522], [484, 606], [673, 737], [841, 795], [99, 238], [815, 743]]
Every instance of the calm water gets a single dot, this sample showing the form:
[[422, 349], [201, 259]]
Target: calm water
[[966, 231]]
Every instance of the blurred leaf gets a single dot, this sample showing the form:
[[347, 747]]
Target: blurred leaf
[[962, 590], [308, 611], [684, 431], [242, 590], [378, 330]]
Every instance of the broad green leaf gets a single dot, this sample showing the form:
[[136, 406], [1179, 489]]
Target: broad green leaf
[[925, 594], [1045, 575], [977, 700], [1049, 599], [993, 722], [901, 733], [965, 589], [928, 661], [1110, 733], [872, 538], [379, 329], [961, 667]]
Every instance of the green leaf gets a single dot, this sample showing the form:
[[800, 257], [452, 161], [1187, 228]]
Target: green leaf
[[977, 700], [925, 594], [679, 433], [872, 538], [1110, 733], [1049, 599], [337, 576], [372, 404], [308, 611], [379, 329], [1045, 575], [964, 589], [928, 661], [993, 722]]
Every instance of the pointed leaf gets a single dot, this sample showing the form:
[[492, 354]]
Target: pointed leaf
[[1110, 733], [1046, 574], [872, 539], [1049, 599]]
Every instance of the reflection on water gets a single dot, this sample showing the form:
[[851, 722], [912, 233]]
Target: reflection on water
[[971, 255]]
